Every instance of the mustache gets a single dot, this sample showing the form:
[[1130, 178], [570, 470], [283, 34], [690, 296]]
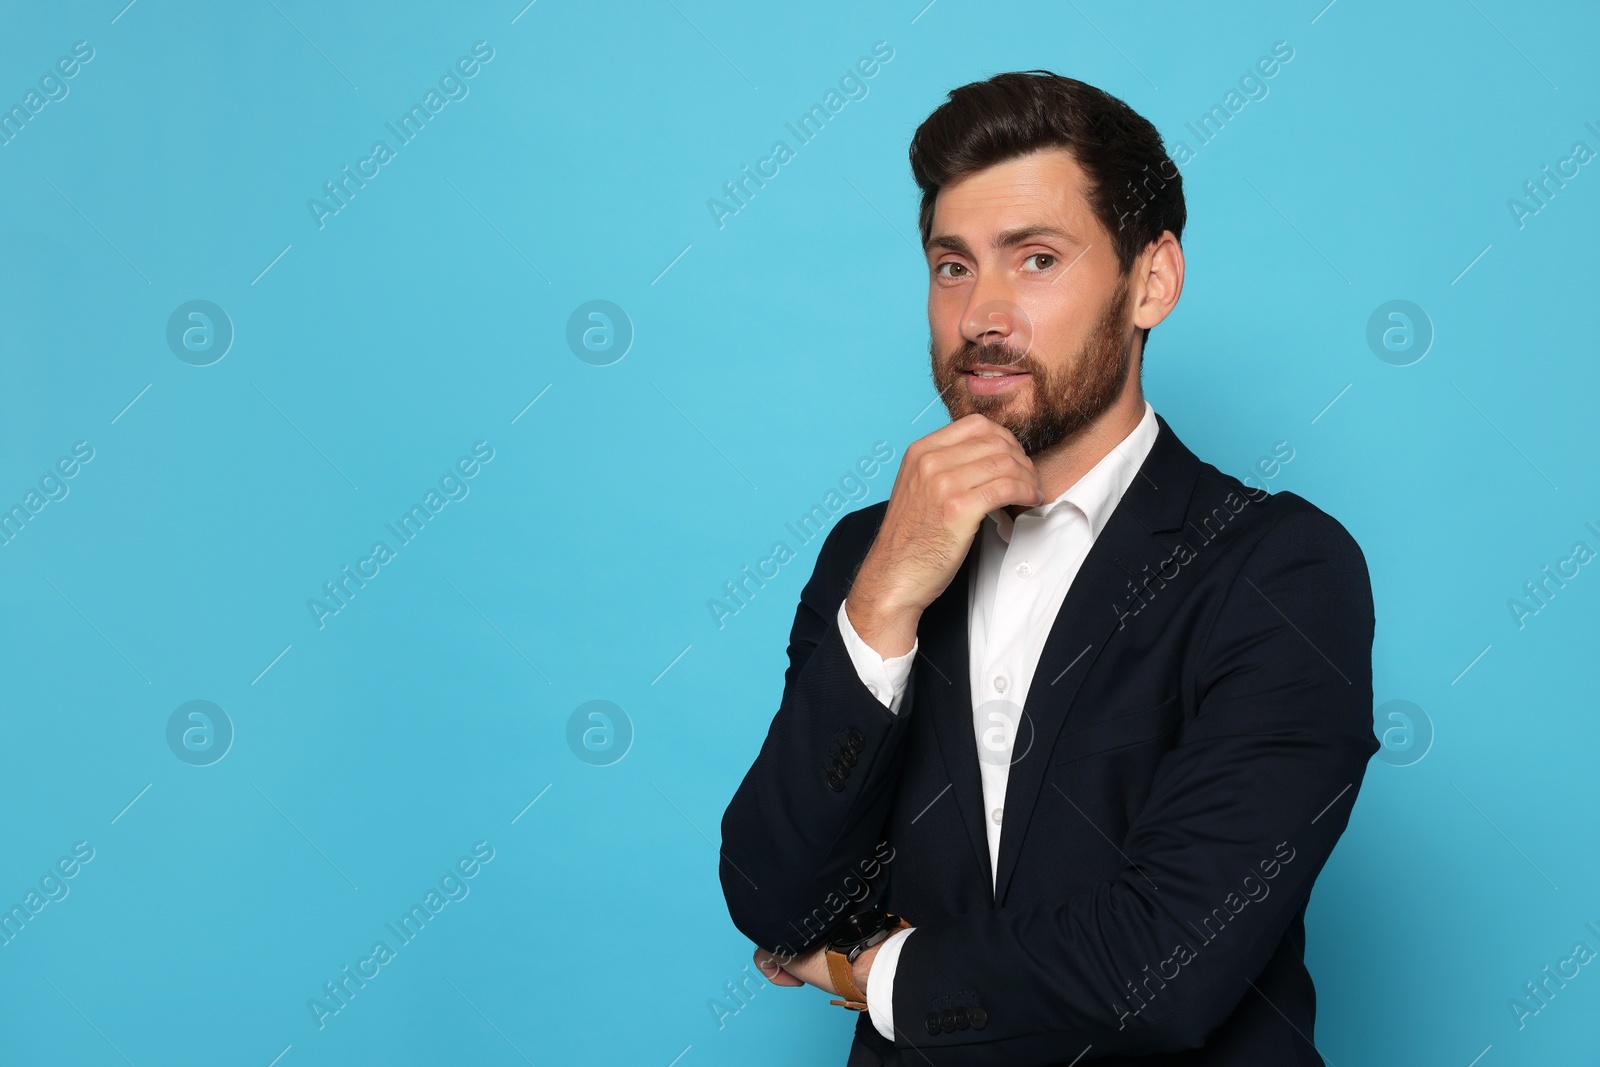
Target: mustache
[[970, 355]]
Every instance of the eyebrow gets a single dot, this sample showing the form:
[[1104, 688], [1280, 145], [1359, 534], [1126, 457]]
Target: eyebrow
[[1005, 239]]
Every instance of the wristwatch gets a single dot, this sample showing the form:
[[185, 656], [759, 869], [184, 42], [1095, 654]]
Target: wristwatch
[[854, 935]]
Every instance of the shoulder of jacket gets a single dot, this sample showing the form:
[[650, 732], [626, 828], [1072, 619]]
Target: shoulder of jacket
[[1283, 517], [1296, 526]]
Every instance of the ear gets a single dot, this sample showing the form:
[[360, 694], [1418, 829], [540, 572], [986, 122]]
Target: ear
[[1158, 280]]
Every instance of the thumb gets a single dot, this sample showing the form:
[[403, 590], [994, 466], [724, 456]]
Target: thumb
[[768, 965]]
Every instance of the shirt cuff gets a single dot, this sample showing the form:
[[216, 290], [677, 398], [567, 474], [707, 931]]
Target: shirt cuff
[[884, 678], [880, 983]]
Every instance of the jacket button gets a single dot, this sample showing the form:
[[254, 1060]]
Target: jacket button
[[979, 1018], [963, 1019], [947, 1021], [933, 1023], [849, 757], [855, 738], [835, 782]]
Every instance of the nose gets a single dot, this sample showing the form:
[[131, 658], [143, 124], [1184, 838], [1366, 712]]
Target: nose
[[989, 319], [992, 318]]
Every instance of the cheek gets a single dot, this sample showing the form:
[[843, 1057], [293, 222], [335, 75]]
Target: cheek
[[1069, 323], [1051, 332], [944, 318]]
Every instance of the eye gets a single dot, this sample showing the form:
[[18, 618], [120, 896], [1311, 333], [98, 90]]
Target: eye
[[951, 263], [1049, 260]]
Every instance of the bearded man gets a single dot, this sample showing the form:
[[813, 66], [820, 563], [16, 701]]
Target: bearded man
[[1073, 720]]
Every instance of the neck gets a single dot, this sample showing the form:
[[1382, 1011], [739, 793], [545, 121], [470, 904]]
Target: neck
[[1064, 464]]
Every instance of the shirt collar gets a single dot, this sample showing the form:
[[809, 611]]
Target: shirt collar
[[1097, 493]]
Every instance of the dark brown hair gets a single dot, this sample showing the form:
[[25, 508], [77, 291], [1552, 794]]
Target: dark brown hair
[[1135, 189]]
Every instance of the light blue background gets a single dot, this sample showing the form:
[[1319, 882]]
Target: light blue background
[[768, 356]]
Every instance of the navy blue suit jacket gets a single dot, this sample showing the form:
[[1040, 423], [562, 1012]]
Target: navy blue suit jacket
[[1192, 744]]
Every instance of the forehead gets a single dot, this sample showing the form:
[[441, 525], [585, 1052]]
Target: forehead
[[1046, 185]]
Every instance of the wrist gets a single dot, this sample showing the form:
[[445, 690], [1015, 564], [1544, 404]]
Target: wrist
[[883, 581], [861, 968], [889, 628], [851, 948]]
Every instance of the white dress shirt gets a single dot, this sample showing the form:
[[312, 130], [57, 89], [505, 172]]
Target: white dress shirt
[[1024, 569]]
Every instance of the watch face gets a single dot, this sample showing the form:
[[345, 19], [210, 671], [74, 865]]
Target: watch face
[[860, 926]]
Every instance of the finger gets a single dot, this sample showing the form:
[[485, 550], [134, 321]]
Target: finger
[[982, 425], [999, 429], [967, 429], [977, 450], [988, 467], [768, 965], [1008, 489]]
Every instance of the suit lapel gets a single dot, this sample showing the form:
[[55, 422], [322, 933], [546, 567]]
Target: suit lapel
[[944, 694], [1155, 502]]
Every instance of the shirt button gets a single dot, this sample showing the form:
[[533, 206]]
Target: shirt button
[[997, 814], [1024, 568], [1000, 683]]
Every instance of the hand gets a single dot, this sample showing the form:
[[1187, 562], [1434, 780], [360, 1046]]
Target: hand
[[947, 482], [811, 969]]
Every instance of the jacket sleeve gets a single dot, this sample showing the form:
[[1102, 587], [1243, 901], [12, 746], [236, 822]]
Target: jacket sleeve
[[1241, 816], [802, 839]]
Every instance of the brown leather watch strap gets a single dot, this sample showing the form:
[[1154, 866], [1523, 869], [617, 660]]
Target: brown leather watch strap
[[845, 981]]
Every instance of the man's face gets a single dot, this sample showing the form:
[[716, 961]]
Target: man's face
[[1025, 285]]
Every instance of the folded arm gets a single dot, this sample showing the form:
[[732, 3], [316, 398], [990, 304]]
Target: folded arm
[[803, 836]]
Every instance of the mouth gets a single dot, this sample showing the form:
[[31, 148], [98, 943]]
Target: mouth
[[989, 380]]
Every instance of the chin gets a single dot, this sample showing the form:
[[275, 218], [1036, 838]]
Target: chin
[[997, 406]]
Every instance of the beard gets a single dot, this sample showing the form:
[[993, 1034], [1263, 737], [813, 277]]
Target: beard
[[1058, 402]]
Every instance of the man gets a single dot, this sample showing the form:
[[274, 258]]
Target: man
[[1078, 715]]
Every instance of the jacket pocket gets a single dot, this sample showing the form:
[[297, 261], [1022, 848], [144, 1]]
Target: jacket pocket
[[1119, 731]]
